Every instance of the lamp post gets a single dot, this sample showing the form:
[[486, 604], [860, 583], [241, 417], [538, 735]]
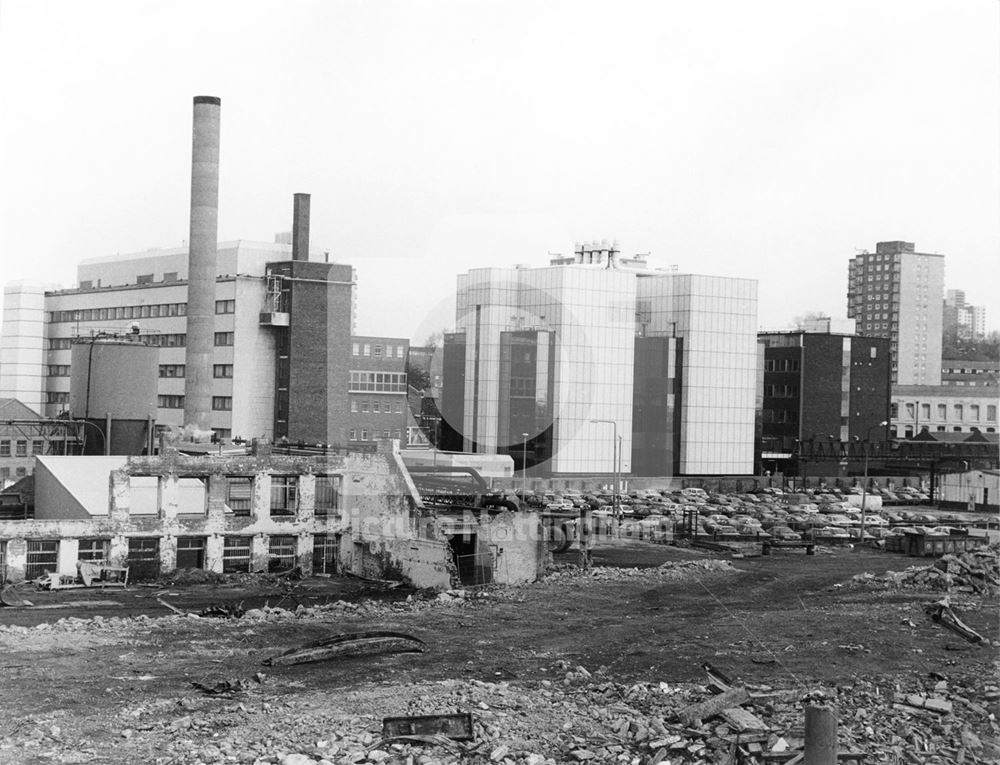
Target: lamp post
[[524, 467], [614, 465], [864, 486]]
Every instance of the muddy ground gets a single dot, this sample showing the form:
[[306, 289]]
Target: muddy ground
[[118, 688]]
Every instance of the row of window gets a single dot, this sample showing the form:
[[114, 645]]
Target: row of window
[[377, 382], [364, 434], [21, 447], [781, 391], [115, 313], [175, 401], [144, 554], [781, 365], [121, 312], [376, 406], [221, 371], [959, 411], [378, 351]]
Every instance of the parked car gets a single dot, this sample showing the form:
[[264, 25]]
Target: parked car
[[943, 531], [829, 532], [785, 534], [875, 520]]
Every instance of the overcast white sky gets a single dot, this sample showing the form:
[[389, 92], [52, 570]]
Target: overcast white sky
[[765, 139]]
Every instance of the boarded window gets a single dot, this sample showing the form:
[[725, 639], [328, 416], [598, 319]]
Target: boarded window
[[43, 555], [281, 553], [327, 494], [239, 494], [144, 557], [190, 552], [236, 557], [325, 553], [95, 550]]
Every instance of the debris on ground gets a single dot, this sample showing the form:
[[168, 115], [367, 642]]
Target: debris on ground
[[943, 613], [975, 571], [349, 645]]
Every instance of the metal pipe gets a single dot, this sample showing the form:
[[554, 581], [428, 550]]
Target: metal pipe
[[202, 262]]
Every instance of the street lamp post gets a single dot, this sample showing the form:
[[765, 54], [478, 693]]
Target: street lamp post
[[615, 442], [524, 467], [864, 486]]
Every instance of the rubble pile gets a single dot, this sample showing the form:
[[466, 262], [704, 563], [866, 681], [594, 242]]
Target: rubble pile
[[691, 569], [573, 715], [976, 571]]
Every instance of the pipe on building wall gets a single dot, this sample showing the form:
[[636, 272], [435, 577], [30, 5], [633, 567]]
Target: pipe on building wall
[[300, 227], [202, 258]]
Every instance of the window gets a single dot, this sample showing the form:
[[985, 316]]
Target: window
[[367, 349], [165, 401], [170, 276], [959, 412], [354, 405], [222, 403], [43, 555], [38, 446], [376, 407], [20, 448], [327, 494], [398, 407], [355, 349], [284, 494], [399, 351], [225, 306], [925, 411], [4, 448], [222, 370], [942, 411], [377, 351], [58, 370], [223, 338], [377, 382], [95, 550], [974, 412], [281, 553], [364, 406], [386, 434], [144, 279], [190, 552], [143, 557], [991, 413], [236, 556], [171, 370], [364, 434], [352, 435], [239, 495], [325, 553], [58, 343]]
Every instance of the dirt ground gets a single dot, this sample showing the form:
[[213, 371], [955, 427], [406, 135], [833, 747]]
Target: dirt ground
[[105, 676]]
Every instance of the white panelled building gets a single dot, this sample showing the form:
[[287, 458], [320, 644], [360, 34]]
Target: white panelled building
[[598, 362]]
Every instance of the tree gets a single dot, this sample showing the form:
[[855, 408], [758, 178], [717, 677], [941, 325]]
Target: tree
[[417, 376], [810, 316]]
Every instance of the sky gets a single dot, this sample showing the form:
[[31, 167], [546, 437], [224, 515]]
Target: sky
[[769, 140]]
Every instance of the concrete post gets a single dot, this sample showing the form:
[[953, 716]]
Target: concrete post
[[821, 736]]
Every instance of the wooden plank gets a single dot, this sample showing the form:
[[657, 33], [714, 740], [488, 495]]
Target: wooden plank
[[742, 720], [713, 706]]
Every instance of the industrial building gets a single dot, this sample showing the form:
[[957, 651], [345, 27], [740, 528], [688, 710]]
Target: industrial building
[[256, 511], [897, 293], [599, 364], [820, 385]]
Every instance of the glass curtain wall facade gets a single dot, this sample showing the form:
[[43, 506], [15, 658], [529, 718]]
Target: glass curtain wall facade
[[588, 312], [717, 319]]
